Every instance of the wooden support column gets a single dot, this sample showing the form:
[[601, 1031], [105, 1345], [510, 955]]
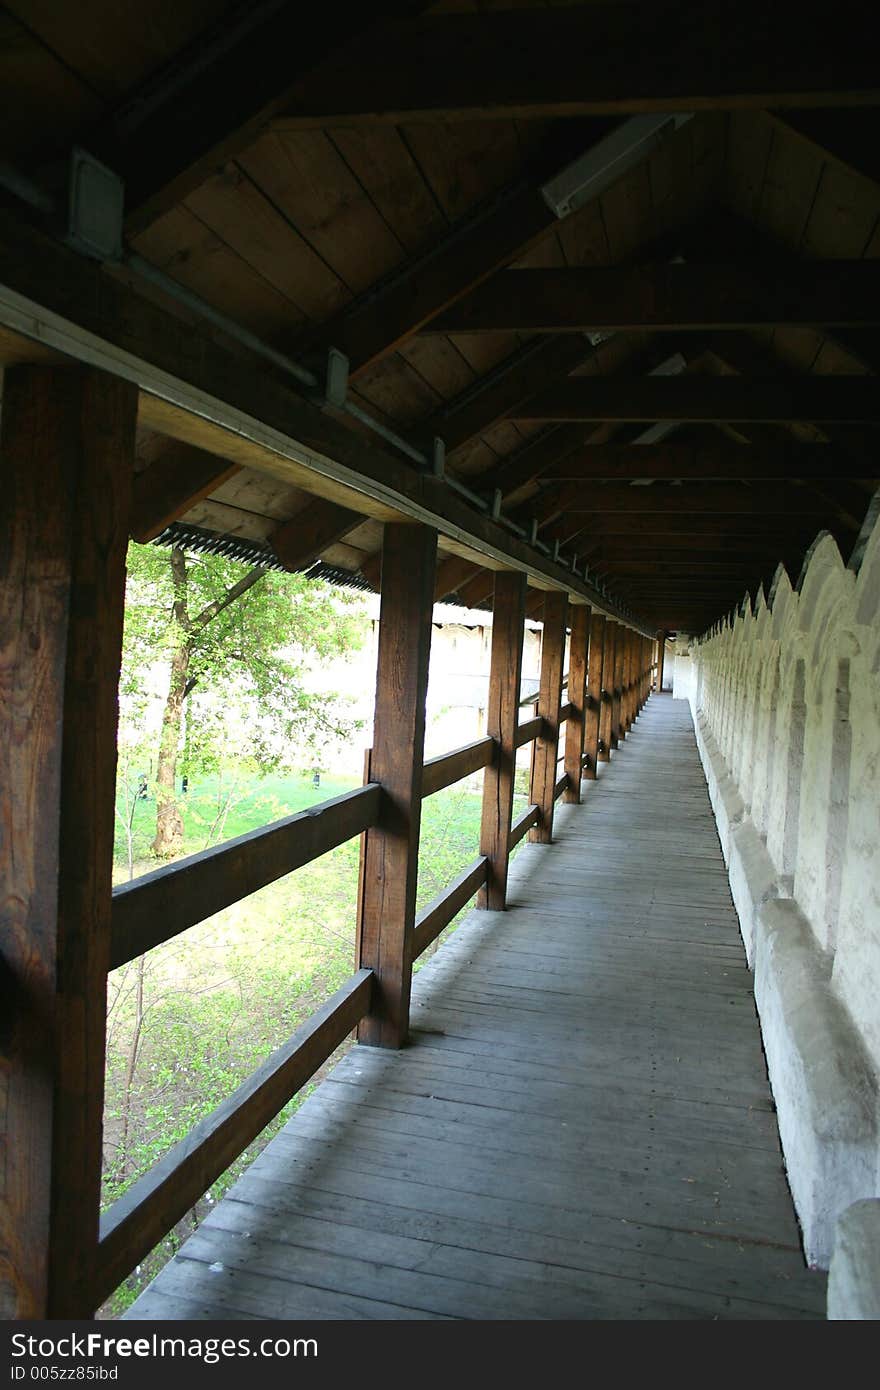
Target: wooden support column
[[67, 469], [391, 848], [626, 704], [505, 679], [546, 745], [616, 685], [575, 727], [593, 700], [661, 653], [611, 630]]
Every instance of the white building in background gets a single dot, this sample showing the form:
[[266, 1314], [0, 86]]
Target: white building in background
[[458, 680]]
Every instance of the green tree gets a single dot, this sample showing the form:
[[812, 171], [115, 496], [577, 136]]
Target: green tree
[[229, 635]]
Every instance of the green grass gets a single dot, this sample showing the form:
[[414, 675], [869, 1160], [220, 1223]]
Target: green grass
[[222, 996]]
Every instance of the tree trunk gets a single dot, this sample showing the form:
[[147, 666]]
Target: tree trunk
[[169, 823]]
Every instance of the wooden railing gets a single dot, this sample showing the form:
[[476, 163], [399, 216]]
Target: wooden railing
[[162, 904]]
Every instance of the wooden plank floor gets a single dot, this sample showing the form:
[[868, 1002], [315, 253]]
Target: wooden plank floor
[[582, 1126]]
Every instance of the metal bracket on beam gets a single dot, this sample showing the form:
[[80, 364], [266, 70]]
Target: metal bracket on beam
[[438, 457], [497, 499], [336, 381], [555, 552], [533, 531]]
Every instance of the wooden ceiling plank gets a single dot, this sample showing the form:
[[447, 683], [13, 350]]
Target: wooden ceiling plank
[[300, 541], [171, 485], [217, 102]]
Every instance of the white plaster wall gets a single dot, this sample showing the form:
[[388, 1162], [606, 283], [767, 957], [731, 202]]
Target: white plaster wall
[[786, 704]]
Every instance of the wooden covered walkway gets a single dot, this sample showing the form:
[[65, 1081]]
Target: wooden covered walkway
[[581, 1127]]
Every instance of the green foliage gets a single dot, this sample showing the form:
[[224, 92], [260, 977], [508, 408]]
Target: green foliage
[[246, 679]]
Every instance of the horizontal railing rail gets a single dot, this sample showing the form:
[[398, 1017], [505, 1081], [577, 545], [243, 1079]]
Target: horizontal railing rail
[[528, 731], [441, 772], [138, 1220], [164, 903], [523, 824], [440, 912]]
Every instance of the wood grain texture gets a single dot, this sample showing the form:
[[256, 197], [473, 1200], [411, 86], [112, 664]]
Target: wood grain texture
[[610, 645], [543, 781], [593, 696], [440, 912], [161, 904], [575, 724], [448, 768], [68, 434], [174, 483], [387, 907], [502, 714], [139, 1219]]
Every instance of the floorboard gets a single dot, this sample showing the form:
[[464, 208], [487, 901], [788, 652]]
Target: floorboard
[[581, 1127]]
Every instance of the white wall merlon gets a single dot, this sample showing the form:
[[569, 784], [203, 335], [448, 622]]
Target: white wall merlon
[[786, 705]]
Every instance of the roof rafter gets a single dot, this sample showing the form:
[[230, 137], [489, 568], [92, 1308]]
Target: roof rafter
[[563, 62]]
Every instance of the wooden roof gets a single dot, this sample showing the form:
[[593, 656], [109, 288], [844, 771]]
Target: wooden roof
[[261, 175]]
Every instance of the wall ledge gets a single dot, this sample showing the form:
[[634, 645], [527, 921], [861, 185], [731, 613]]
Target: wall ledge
[[854, 1277], [824, 1084]]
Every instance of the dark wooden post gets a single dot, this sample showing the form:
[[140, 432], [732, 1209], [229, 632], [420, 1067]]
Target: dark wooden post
[[626, 682], [611, 628], [575, 728], [661, 653], [593, 700], [505, 680], [616, 684], [543, 792], [391, 848], [67, 467]]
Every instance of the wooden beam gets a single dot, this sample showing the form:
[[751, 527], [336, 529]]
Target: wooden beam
[[505, 678], [593, 701], [370, 331], [140, 1218], [469, 252], [615, 730], [698, 398], [439, 913], [159, 905], [391, 848], [505, 389], [300, 541], [171, 485], [575, 724], [510, 65], [67, 466], [453, 571], [543, 781], [722, 459], [227, 403], [166, 139], [608, 659], [734, 566], [449, 768], [669, 296], [718, 499]]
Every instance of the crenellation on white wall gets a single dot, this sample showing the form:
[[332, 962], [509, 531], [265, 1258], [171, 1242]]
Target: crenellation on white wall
[[785, 695]]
